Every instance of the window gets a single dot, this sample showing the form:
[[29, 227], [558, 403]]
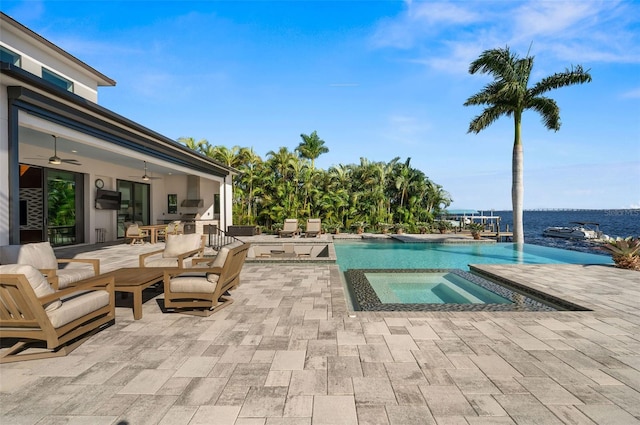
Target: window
[[59, 81], [8, 56]]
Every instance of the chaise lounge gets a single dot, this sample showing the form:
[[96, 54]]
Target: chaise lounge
[[314, 228], [47, 323], [290, 228], [203, 291]]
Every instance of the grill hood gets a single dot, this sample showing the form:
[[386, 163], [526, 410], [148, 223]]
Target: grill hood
[[193, 193]]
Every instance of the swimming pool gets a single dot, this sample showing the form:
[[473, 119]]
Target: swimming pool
[[444, 287], [398, 255], [439, 290]]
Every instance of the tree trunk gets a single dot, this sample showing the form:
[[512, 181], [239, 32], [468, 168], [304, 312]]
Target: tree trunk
[[517, 183]]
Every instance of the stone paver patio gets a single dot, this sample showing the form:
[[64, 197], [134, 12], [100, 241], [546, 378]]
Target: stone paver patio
[[289, 352]]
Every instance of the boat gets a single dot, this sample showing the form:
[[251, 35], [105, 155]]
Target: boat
[[580, 230]]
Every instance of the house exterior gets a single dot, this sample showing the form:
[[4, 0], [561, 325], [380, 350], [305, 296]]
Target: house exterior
[[72, 171]]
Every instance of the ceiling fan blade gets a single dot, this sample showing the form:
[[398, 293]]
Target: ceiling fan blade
[[71, 161]]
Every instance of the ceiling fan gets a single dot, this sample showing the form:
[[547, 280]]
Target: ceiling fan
[[145, 176], [55, 159]]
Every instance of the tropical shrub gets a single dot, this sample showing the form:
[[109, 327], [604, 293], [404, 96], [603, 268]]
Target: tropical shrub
[[625, 252], [443, 225]]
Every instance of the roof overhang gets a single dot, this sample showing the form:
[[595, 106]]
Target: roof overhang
[[42, 99]]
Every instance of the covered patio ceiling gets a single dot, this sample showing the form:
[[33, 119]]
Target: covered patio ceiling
[[37, 146]]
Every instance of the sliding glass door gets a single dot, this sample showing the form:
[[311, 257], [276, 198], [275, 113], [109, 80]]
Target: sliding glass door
[[51, 206], [135, 205]]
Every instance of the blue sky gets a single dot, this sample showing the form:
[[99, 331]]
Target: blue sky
[[378, 80]]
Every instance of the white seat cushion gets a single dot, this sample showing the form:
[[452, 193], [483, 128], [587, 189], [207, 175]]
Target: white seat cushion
[[179, 244], [193, 283], [69, 275], [78, 306], [38, 282]]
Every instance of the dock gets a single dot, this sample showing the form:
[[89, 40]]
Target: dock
[[498, 236]]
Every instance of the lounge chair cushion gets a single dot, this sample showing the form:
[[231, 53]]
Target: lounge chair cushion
[[38, 282], [73, 273], [39, 255], [221, 257], [179, 244], [77, 306], [194, 283], [167, 262]]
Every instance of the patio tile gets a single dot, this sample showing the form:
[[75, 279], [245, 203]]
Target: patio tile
[[372, 415], [264, 402], [608, 415], [334, 410], [147, 410], [308, 382], [178, 415], [288, 360], [299, 406], [409, 415], [201, 391], [446, 401], [374, 391], [224, 415], [408, 394], [147, 382]]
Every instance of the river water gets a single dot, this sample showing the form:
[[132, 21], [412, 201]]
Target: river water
[[614, 223]]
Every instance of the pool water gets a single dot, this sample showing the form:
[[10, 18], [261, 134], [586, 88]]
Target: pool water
[[429, 288], [398, 255]]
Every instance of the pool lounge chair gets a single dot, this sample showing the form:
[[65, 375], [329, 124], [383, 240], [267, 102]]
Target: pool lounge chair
[[290, 228], [41, 322], [314, 228], [203, 291]]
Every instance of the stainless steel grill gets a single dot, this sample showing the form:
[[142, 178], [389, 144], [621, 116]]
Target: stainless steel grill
[[189, 222]]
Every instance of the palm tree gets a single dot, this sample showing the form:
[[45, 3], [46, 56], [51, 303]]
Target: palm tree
[[311, 147], [198, 146], [508, 94]]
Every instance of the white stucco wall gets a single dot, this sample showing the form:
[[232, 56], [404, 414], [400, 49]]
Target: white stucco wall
[[4, 170]]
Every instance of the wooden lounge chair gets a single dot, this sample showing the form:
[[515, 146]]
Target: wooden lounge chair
[[203, 291], [41, 256], [135, 234], [314, 227], [179, 251], [47, 323], [290, 228]]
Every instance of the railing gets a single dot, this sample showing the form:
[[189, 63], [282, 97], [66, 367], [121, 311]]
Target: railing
[[217, 238]]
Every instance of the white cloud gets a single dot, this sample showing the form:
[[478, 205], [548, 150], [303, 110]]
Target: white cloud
[[448, 36], [547, 18], [631, 94], [418, 20]]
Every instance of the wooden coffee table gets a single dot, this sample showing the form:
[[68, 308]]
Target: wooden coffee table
[[134, 280]]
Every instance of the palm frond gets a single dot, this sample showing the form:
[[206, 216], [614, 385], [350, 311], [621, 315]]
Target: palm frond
[[549, 111], [488, 117], [571, 76]]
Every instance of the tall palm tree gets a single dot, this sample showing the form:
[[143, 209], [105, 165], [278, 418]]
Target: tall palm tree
[[311, 147], [508, 94]]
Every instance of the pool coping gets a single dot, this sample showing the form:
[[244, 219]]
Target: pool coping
[[364, 297]]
